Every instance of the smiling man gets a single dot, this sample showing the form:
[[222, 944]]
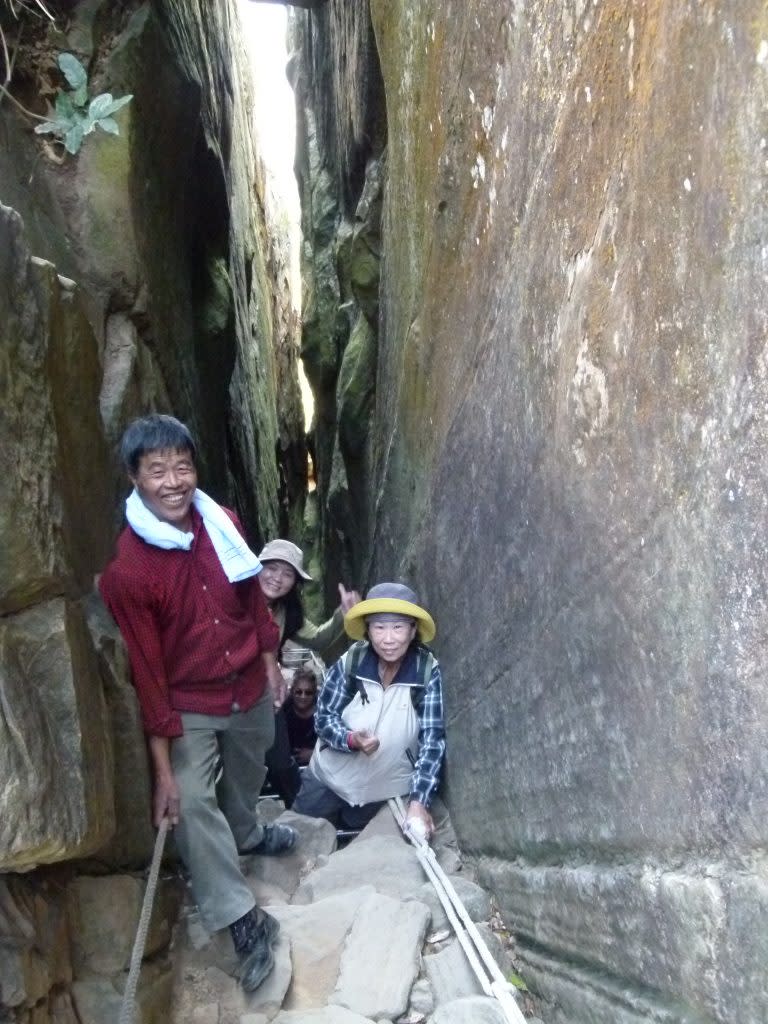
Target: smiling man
[[183, 589]]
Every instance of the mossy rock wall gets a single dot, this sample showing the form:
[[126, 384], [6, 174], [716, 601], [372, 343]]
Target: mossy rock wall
[[138, 275], [340, 161], [567, 459]]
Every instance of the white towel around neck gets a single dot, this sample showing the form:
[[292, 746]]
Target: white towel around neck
[[237, 559]]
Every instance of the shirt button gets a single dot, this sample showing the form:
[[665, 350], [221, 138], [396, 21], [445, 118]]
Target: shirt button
[[204, 587], [226, 654], [215, 622], [235, 706]]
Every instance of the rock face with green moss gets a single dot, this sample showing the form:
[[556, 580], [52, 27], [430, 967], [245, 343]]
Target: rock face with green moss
[[138, 275], [568, 461], [163, 229]]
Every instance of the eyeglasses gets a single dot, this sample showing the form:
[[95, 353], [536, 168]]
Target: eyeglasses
[[304, 693]]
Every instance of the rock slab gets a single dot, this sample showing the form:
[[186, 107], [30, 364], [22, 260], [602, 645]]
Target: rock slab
[[56, 765], [381, 957]]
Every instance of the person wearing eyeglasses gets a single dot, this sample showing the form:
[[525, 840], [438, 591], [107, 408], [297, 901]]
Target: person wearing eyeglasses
[[299, 712]]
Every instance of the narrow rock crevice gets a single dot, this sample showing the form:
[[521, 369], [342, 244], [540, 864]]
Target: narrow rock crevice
[[533, 322]]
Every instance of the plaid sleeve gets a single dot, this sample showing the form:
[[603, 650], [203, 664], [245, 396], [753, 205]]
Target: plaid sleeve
[[426, 772], [331, 701]]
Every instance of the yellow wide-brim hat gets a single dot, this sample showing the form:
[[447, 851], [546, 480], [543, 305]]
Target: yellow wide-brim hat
[[389, 599]]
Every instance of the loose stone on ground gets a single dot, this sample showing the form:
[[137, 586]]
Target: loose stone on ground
[[318, 933], [475, 899]]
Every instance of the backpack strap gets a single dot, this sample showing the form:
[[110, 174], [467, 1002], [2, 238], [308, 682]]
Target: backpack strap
[[425, 662], [352, 660]]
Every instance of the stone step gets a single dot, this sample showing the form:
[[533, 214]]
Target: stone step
[[363, 938]]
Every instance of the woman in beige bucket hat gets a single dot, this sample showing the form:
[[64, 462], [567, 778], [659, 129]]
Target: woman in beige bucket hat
[[281, 578]]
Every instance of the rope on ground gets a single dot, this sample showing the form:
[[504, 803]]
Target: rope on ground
[[488, 973], [128, 1007]]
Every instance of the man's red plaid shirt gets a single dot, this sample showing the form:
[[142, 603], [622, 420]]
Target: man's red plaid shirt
[[194, 638]]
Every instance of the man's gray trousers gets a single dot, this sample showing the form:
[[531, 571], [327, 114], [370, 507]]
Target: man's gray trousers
[[216, 820]]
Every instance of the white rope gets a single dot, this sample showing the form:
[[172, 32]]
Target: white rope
[[445, 882], [127, 1007], [496, 986]]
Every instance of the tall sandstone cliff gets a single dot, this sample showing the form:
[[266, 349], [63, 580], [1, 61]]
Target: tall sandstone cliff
[[564, 450], [138, 275]]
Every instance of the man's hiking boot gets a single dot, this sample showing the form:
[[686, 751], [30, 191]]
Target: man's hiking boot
[[275, 839], [255, 967], [254, 935]]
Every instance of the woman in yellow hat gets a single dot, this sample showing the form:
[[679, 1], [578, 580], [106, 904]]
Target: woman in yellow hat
[[379, 717]]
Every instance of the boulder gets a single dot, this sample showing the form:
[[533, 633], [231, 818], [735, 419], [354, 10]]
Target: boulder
[[450, 974], [132, 380], [475, 899], [105, 913], [318, 933], [356, 390], [209, 1014], [133, 840], [35, 950], [56, 760], [317, 838], [269, 996], [359, 247], [62, 1009], [98, 999], [55, 514], [387, 863], [421, 1001], [569, 392], [341, 136], [187, 321], [325, 1015]]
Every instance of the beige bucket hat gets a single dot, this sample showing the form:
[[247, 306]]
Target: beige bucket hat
[[284, 551]]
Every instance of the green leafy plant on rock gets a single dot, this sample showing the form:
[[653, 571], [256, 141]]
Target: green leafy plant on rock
[[75, 114]]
